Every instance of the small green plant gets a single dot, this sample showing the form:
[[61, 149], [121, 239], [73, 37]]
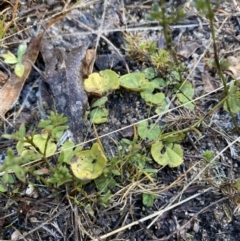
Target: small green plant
[[73, 166], [139, 48], [231, 94], [145, 51], [208, 155], [165, 150], [99, 114], [10, 58], [151, 90], [148, 199], [161, 60], [34, 147], [148, 132]]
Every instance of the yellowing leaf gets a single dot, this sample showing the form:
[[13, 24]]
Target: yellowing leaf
[[30, 155], [170, 154], [234, 66], [40, 143], [133, 81], [99, 83], [9, 58], [89, 164], [19, 69]]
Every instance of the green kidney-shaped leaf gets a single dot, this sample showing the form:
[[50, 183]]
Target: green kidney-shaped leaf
[[149, 73], [170, 154], [99, 115], [150, 132], [148, 199], [233, 103], [162, 108], [153, 99], [133, 81], [186, 94], [89, 164], [3, 187], [66, 152], [159, 82], [174, 154], [100, 102], [102, 82]]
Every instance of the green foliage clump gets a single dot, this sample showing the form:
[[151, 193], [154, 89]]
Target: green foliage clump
[[32, 147], [208, 155], [139, 48], [161, 60], [10, 58], [148, 199]]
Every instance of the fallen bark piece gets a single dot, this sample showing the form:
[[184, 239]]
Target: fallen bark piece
[[3, 78], [63, 70], [66, 65]]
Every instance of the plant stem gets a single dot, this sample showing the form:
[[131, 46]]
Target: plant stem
[[196, 124], [210, 15]]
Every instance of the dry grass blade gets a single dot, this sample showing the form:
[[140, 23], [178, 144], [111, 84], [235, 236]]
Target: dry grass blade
[[14, 13]]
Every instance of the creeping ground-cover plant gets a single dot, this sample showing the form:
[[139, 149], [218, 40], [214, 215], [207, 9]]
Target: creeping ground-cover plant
[[73, 165], [150, 86]]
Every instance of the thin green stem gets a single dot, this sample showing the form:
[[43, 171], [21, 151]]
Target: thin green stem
[[210, 15], [44, 158], [196, 124]]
